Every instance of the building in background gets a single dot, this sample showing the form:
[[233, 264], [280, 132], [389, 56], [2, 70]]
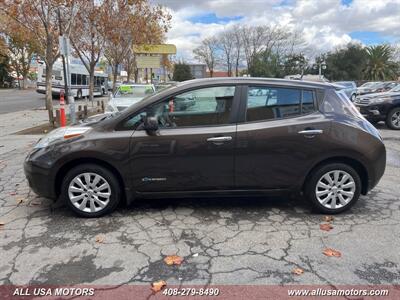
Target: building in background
[[198, 70]]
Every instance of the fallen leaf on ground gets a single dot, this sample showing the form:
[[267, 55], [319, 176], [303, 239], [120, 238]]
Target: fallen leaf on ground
[[2, 224], [195, 255], [45, 131], [35, 203], [13, 194], [326, 227], [173, 260], [158, 286], [20, 200], [99, 239], [331, 252], [297, 271], [327, 219]]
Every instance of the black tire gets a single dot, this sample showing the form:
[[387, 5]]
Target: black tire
[[314, 178], [389, 117], [353, 97], [108, 176]]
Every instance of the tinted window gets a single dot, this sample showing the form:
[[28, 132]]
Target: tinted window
[[266, 103], [84, 80], [79, 79], [73, 79], [203, 107], [307, 105]]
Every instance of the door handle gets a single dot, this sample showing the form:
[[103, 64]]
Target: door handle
[[219, 139], [311, 132]]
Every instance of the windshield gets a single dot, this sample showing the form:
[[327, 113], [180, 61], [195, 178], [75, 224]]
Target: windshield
[[134, 91], [396, 88], [345, 84], [369, 84]]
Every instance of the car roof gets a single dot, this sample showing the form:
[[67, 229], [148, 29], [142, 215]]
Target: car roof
[[257, 80]]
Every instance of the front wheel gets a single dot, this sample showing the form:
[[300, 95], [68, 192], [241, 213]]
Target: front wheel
[[90, 190], [333, 188], [353, 97], [393, 119]]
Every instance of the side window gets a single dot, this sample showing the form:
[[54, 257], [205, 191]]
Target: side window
[[79, 79], [269, 103], [202, 107], [84, 80], [73, 79], [307, 104]]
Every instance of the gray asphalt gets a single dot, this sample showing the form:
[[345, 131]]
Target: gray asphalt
[[13, 100]]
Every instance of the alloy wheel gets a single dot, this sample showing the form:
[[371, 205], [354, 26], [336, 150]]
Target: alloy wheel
[[89, 192], [335, 189], [395, 119]]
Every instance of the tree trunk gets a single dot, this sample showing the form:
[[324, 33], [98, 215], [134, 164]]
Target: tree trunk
[[91, 83], [115, 74], [49, 96]]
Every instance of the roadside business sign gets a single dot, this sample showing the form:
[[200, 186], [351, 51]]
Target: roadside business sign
[[155, 49], [153, 62]]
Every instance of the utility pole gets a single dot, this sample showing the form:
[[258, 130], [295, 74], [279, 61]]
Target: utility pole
[[64, 50]]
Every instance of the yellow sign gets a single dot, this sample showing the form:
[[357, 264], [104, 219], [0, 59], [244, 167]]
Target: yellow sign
[[155, 49]]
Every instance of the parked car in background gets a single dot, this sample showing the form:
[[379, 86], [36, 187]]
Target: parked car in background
[[367, 88], [163, 85], [349, 88], [381, 107], [128, 94], [243, 136]]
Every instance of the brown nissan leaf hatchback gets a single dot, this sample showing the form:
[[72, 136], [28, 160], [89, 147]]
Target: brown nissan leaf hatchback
[[240, 136]]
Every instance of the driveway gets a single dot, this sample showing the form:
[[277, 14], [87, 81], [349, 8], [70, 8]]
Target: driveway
[[222, 241]]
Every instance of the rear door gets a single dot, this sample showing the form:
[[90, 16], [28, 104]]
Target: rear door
[[279, 137]]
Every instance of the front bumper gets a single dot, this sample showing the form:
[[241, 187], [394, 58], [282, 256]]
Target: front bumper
[[39, 179], [372, 112]]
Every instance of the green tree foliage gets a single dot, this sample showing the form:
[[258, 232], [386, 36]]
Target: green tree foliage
[[268, 64], [380, 65], [182, 72], [5, 78], [346, 64]]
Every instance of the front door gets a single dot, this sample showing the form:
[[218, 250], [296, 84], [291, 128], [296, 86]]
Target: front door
[[194, 147]]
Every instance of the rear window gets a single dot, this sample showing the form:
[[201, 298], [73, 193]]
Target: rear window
[[337, 102]]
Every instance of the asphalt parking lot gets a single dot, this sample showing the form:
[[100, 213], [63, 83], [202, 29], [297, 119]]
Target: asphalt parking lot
[[222, 241]]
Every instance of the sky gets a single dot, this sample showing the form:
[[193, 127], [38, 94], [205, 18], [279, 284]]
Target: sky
[[324, 24]]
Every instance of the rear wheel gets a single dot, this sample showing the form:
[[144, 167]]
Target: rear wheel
[[333, 188], [90, 190], [393, 119]]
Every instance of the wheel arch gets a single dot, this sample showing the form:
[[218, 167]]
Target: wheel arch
[[63, 170], [354, 163]]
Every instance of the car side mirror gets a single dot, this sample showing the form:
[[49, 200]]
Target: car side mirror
[[151, 125]]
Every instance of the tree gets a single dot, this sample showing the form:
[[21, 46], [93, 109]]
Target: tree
[[5, 78], [237, 48], [226, 41], [129, 23], [208, 52], [40, 18], [87, 37], [20, 47], [346, 64], [380, 65], [182, 72]]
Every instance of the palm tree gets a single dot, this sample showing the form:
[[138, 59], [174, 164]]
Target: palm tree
[[380, 65]]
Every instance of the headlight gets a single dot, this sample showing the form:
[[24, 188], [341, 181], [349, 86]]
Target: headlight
[[60, 134]]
